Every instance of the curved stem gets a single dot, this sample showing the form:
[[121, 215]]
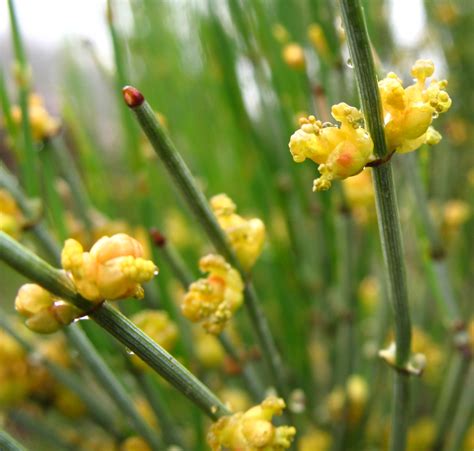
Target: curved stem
[[387, 211], [55, 281]]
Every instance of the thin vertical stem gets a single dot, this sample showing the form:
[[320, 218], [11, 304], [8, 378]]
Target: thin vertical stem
[[387, 212], [29, 160]]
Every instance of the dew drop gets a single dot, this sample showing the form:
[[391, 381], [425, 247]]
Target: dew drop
[[129, 351], [349, 63], [81, 318]]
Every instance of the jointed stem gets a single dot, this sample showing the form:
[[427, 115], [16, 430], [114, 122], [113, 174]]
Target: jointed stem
[[387, 211]]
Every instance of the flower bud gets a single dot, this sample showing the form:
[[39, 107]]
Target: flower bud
[[11, 218], [246, 236], [340, 152], [112, 269], [44, 314], [252, 429], [214, 300]]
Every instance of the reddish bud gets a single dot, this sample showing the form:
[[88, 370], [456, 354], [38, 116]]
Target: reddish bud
[[132, 96], [157, 237]]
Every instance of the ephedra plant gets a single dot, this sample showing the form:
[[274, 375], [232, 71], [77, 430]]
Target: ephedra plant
[[187, 288]]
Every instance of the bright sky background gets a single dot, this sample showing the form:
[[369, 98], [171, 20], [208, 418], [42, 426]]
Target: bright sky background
[[51, 21]]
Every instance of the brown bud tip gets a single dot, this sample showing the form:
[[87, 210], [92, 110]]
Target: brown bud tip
[[132, 96], [157, 237]]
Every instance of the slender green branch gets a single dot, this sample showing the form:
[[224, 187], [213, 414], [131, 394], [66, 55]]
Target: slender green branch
[[29, 160], [55, 281], [68, 169], [464, 414], [8, 443], [10, 183], [387, 211], [39, 427], [110, 383], [96, 409], [198, 204]]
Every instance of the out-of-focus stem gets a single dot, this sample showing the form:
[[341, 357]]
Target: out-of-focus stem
[[8, 443], [38, 426], [110, 383], [10, 183], [198, 204], [100, 414], [29, 159], [387, 212], [55, 281], [463, 416]]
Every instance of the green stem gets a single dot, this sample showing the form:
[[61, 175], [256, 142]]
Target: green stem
[[55, 281], [68, 169], [387, 211], [463, 416], [152, 391], [101, 415], [38, 426], [10, 183], [29, 159], [449, 396], [198, 204], [8, 443], [110, 383]]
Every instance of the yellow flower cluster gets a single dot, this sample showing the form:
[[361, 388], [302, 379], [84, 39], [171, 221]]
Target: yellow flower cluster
[[14, 371], [354, 398], [246, 236], [11, 219], [340, 152], [214, 300], [252, 430], [359, 194], [159, 327], [409, 112], [45, 314], [43, 126], [112, 269]]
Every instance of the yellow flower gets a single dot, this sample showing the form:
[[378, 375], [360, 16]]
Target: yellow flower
[[235, 399], [409, 112], [42, 125], [158, 326], [359, 192], [293, 56], [14, 371], [315, 440], [214, 300], [11, 218], [208, 349], [135, 443], [340, 152], [318, 39], [252, 430], [112, 269], [44, 313], [421, 435], [246, 236]]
